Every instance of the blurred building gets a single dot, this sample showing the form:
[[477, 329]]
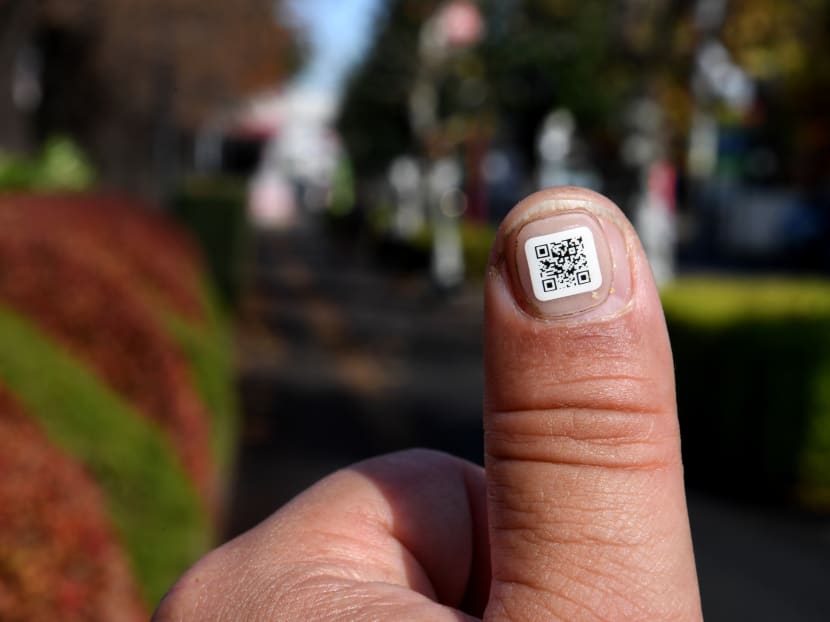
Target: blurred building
[[132, 81]]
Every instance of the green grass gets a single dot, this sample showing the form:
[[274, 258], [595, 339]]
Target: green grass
[[154, 507]]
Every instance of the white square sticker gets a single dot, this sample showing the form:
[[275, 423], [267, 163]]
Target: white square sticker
[[563, 264]]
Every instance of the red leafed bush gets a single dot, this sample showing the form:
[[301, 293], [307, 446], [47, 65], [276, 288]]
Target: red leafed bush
[[129, 239], [59, 558], [82, 272]]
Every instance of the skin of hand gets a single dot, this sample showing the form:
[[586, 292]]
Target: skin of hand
[[579, 513]]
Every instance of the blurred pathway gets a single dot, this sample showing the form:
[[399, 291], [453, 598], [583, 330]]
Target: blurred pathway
[[341, 360]]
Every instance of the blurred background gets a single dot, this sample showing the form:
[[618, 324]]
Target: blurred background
[[242, 245]]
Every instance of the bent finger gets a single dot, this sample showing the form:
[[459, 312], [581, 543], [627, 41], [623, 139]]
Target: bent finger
[[402, 536]]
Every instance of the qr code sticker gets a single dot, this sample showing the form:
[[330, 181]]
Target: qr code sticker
[[563, 264]]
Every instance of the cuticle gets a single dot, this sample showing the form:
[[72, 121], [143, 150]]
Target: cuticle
[[553, 207]]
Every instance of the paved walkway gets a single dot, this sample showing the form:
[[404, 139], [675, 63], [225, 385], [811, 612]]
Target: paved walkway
[[341, 360]]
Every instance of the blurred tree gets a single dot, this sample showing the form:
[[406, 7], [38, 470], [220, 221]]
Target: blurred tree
[[129, 78], [590, 56], [783, 47], [375, 117], [16, 21]]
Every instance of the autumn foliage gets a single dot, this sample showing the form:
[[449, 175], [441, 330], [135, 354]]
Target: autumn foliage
[[128, 238]]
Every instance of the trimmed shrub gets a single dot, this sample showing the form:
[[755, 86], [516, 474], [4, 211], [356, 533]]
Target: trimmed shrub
[[153, 504], [72, 566], [208, 348], [127, 239], [113, 343], [99, 317], [129, 243], [752, 361]]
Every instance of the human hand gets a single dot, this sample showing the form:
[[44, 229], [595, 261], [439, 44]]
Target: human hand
[[583, 484]]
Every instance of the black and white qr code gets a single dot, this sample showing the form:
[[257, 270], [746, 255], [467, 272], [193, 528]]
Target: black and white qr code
[[563, 264]]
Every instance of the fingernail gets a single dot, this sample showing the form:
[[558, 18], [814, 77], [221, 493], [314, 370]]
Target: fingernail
[[568, 258]]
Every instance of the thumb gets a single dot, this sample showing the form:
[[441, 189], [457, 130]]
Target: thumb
[[587, 509]]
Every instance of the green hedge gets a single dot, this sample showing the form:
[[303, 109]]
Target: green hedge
[[213, 210], [752, 361]]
